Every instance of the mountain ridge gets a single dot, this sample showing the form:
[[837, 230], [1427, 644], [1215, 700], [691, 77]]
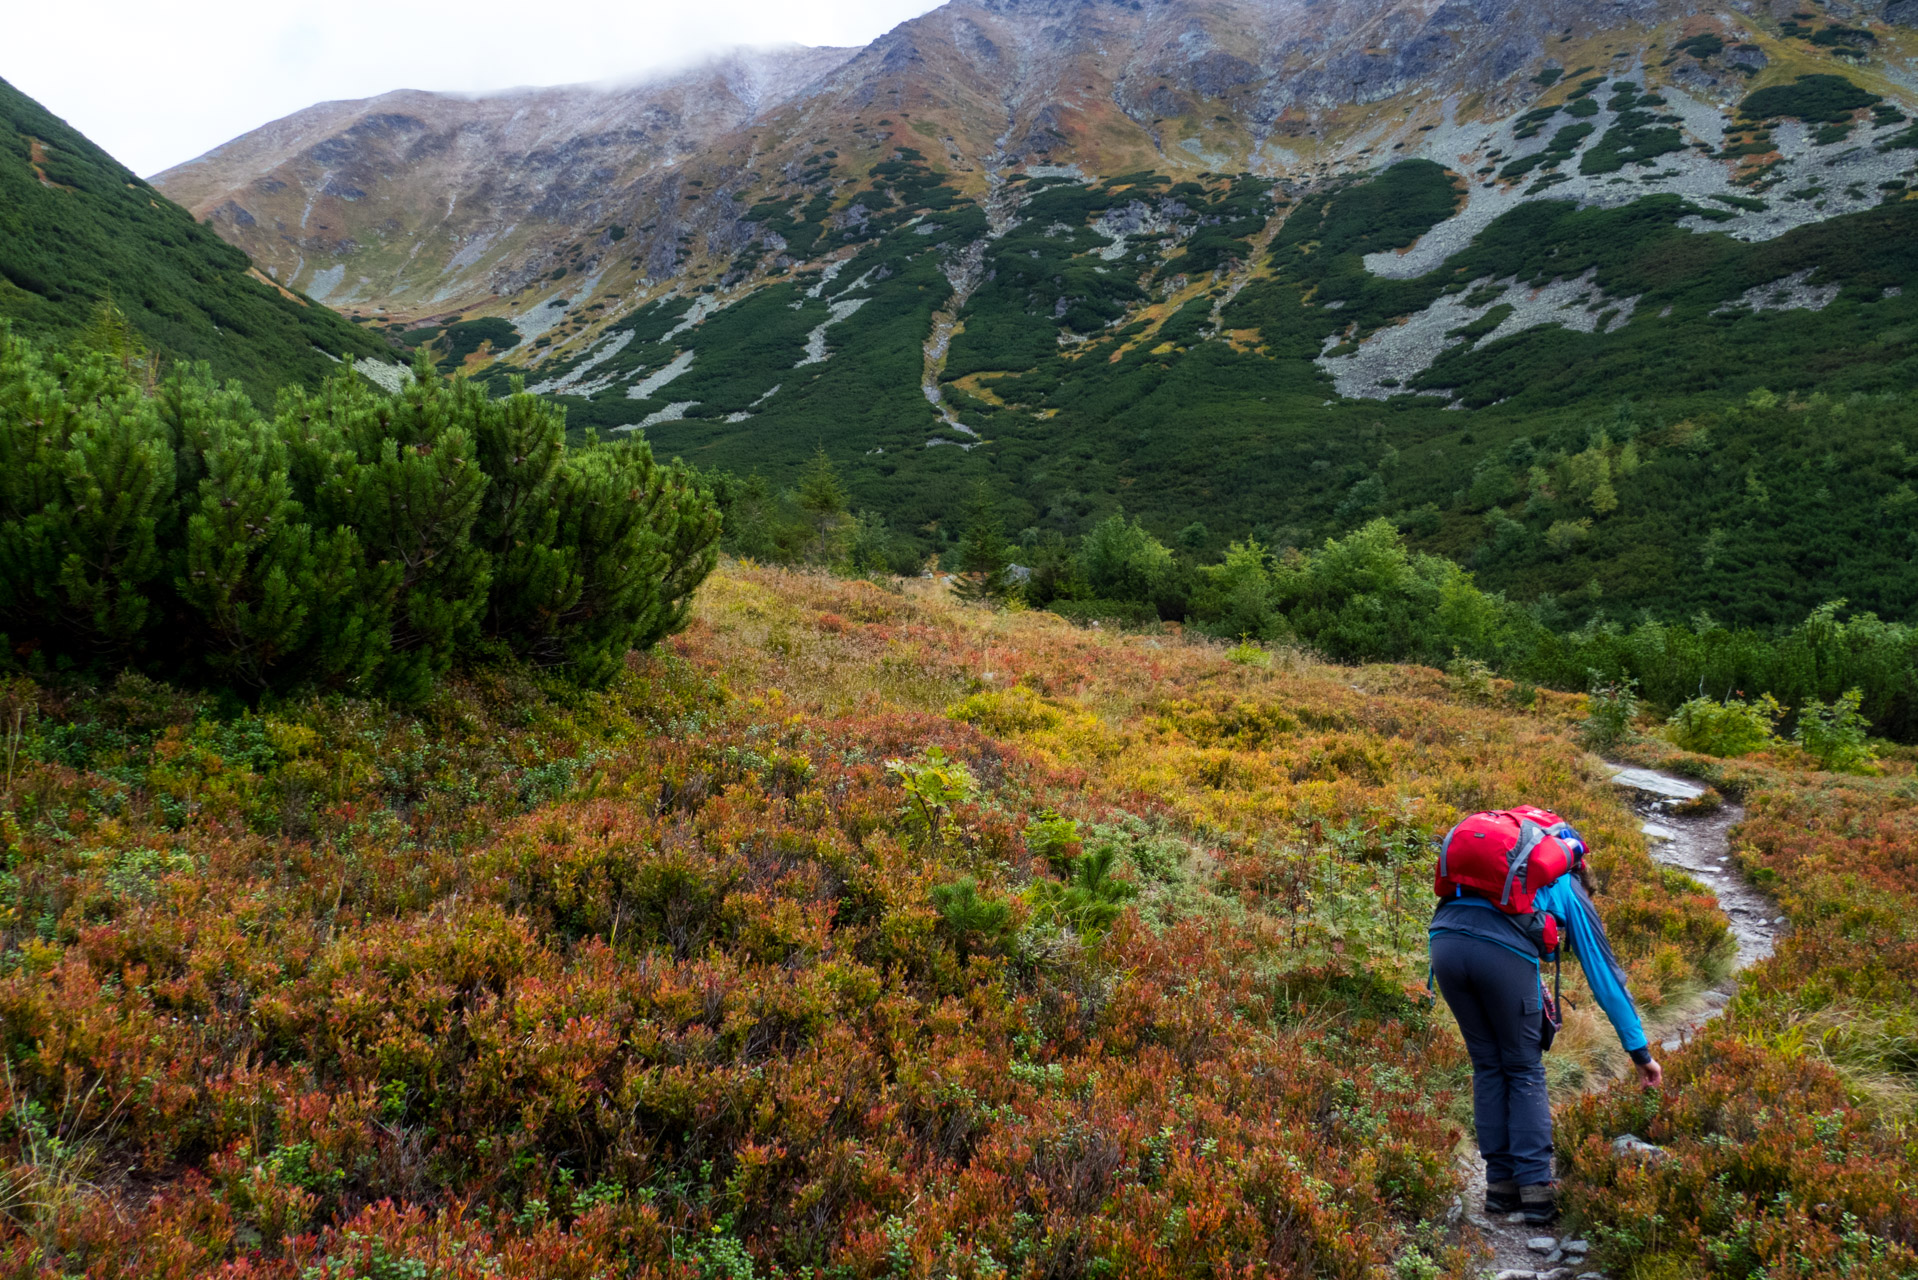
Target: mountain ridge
[[643, 120], [78, 230], [999, 76]]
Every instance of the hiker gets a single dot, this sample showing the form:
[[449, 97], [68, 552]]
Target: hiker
[[1511, 885]]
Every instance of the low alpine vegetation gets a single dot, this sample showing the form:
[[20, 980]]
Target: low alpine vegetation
[[1785, 1123], [849, 932]]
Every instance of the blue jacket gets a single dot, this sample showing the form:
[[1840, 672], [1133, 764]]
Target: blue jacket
[[1566, 899]]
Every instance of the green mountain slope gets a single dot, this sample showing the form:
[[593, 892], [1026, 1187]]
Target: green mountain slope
[[1615, 409], [78, 228]]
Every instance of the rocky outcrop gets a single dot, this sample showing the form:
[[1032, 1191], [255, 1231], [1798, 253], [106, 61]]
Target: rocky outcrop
[[421, 204]]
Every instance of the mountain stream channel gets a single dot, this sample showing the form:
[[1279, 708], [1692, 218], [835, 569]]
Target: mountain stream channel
[[1697, 844]]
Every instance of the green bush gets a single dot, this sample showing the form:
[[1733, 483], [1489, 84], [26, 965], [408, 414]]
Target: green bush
[[1119, 560], [1733, 727], [1611, 708], [1366, 598], [1834, 735], [1235, 597], [1054, 839], [355, 540], [1247, 654]]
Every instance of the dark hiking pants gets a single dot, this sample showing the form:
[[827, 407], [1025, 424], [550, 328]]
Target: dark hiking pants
[[1494, 993]]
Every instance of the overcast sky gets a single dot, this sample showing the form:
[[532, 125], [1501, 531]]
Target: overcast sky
[[156, 84]]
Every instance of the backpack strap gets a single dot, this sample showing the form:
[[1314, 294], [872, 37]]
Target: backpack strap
[[1445, 853], [1530, 836]]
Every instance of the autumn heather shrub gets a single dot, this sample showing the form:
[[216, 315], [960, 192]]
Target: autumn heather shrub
[[680, 977], [1785, 1121], [726, 1013], [1771, 1170]]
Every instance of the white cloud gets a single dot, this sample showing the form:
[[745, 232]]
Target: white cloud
[[159, 84]]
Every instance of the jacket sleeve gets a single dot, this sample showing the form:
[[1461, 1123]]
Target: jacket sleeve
[[1568, 901]]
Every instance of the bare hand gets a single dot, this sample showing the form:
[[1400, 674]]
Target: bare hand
[[1651, 1075]]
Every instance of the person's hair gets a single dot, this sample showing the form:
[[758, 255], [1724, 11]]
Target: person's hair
[[1582, 869]]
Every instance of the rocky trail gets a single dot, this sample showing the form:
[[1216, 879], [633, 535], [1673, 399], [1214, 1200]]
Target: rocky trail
[[1694, 839]]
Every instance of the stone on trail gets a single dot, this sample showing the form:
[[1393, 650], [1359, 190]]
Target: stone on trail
[[1542, 1244], [1576, 1246], [1516, 1273], [1630, 1144], [1658, 784]]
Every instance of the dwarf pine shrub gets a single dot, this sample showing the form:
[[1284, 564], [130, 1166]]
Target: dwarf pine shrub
[[353, 540], [973, 922], [1089, 900]]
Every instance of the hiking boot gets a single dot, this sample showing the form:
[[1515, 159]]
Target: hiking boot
[[1502, 1197], [1539, 1204]]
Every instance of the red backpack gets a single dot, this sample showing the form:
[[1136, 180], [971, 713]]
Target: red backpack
[[1506, 856]]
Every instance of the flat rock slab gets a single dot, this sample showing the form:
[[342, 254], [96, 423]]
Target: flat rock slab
[[1658, 784]]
